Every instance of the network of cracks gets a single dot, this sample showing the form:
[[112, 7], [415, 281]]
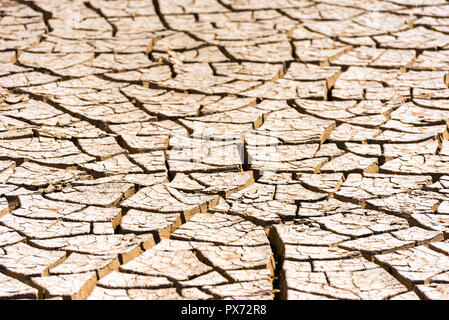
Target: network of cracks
[[224, 149]]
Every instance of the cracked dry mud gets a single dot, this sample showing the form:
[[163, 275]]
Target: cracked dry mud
[[224, 149]]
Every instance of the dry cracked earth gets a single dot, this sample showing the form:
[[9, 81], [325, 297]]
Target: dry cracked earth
[[224, 149]]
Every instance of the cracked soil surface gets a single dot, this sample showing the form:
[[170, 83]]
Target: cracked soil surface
[[224, 149]]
